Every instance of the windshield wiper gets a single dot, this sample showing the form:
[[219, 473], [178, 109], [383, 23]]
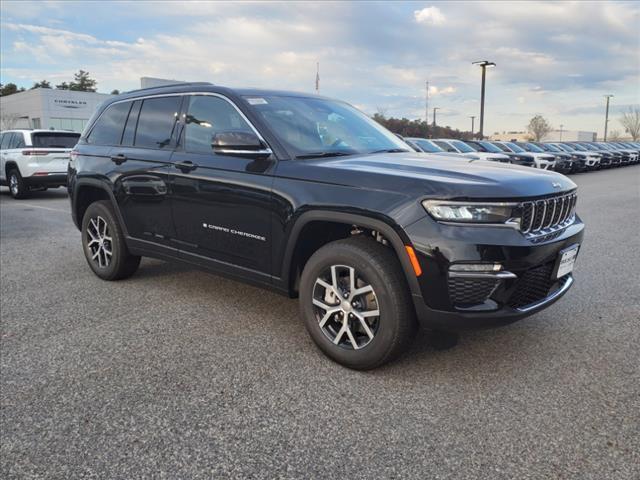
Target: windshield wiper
[[391, 150], [323, 155]]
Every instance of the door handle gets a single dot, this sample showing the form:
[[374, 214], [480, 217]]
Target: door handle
[[119, 159], [185, 166]]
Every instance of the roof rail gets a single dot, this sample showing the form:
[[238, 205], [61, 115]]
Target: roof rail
[[178, 84]]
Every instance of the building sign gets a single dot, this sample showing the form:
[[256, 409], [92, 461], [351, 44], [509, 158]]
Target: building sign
[[66, 103]]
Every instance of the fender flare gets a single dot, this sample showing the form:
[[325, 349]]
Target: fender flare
[[393, 235], [95, 183]]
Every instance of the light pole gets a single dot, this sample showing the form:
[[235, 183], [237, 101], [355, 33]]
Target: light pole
[[434, 115], [606, 116], [483, 64], [426, 109], [473, 120], [561, 125]]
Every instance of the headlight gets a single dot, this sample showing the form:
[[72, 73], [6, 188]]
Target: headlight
[[470, 212]]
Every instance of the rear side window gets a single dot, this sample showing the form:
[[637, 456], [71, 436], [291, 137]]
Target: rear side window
[[4, 140], [132, 121], [108, 129], [54, 139], [157, 121]]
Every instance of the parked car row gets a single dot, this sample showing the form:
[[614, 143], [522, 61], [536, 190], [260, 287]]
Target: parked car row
[[563, 157]]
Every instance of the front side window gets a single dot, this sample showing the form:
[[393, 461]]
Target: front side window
[[490, 147], [157, 121], [311, 126], [206, 116], [445, 146], [108, 128], [4, 143]]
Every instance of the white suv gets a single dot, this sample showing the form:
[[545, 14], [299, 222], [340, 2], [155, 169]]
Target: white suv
[[458, 146], [34, 159]]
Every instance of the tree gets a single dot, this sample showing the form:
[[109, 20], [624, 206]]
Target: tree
[[418, 128], [82, 82], [115, 92], [8, 89], [63, 86], [630, 120], [42, 84], [539, 127]]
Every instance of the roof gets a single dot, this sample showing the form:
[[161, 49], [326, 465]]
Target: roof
[[37, 130]]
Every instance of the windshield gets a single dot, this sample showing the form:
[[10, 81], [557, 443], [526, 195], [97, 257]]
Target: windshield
[[428, 146], [534, 148], [551, 148], [319, 127], [490, 147], [463, 147], [515, 147], [566, 148], [54, 139]]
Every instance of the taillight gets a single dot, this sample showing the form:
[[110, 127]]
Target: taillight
[[34, 152]]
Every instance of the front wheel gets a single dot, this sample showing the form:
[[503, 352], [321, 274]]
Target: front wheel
[[355, 303], [104, 244]]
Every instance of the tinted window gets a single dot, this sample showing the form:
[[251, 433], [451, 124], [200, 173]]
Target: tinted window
[[4, 141], [490, 147], [530, 147], [156, 122], [132, 121], [515, 148], [463, 147], [502, 147], [108, 128], [206, 116], [54, 139]]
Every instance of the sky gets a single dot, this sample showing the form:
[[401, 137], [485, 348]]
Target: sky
[[557, 59]]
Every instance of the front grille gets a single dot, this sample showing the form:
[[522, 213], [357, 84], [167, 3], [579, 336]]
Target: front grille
[[532, 286], [543, 216], [471, 291]]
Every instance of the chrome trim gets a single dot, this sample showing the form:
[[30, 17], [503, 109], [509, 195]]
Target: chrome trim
[[266, 151], [558, 293], [181, 94], [483, 275]]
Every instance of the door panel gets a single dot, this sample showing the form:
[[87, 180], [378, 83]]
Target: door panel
[[141, 190], [223, 209]]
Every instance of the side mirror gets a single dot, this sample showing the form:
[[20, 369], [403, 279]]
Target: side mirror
[[239, 143]]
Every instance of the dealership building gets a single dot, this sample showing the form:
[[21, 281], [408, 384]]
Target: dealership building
[[49, 108]]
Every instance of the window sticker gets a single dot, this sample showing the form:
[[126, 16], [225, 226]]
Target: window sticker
[[257, 101]]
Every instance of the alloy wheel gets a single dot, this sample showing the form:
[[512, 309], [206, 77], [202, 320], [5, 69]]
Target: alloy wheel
[[99, 241], [346, 307], [13, 185]]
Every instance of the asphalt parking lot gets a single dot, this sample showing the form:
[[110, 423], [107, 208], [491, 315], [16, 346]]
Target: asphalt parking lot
[[176, 373]]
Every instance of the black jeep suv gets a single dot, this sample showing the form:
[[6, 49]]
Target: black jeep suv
[[309, 197]]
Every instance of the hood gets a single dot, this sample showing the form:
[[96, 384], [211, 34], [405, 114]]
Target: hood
[[432, 175]]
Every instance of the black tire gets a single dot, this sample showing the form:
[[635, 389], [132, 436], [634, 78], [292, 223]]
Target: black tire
[[17, 187], [374, 265], [120, 264]]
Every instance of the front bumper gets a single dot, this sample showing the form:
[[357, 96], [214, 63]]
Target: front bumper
[[526, 287]]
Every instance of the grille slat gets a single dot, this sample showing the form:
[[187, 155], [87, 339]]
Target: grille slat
[[544, 216]]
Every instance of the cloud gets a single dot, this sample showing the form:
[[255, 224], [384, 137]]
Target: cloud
[[430, 16]]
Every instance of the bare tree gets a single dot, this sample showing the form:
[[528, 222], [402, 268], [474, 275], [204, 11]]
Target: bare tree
[[630, 120], [539, 127], [8, 120], [381, 111], [614, 136]]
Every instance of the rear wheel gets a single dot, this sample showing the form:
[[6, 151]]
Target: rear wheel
[[104, 245], [17, 187], [355, 303]]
